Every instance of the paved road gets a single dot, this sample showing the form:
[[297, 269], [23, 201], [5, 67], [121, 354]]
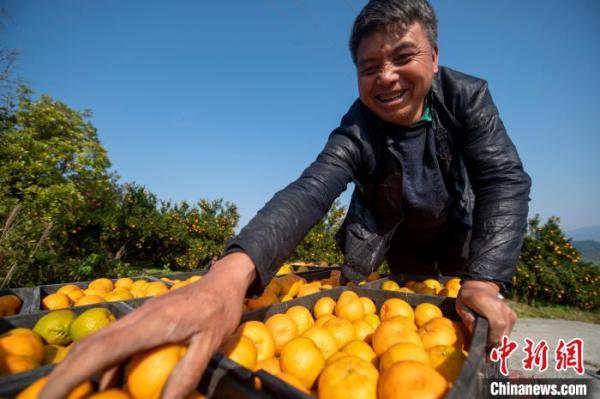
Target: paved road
[[552, 331]]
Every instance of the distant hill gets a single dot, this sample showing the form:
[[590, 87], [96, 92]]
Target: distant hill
[[589, 249], [585, 233]]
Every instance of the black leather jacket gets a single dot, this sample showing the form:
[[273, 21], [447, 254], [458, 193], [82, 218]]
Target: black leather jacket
[[482, 170]]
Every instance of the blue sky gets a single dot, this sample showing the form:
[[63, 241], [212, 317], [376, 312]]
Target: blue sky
[[234, 99]]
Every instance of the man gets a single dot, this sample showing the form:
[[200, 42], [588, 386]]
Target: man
[[439, 186]]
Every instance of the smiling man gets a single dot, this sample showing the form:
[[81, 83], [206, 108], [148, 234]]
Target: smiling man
[[439, 189]]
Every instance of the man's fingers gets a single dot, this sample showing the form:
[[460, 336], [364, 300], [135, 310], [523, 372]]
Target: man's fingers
[[467, 316], [106, 348], [186, 375]]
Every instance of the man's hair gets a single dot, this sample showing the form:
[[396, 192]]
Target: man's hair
[[380, 13]]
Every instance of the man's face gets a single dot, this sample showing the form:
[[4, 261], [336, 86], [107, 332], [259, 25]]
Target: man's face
[[395, 69]]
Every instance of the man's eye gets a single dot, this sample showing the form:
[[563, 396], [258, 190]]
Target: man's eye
[[370, 70], [402, 59]]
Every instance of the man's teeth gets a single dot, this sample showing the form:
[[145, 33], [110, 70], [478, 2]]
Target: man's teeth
[[390, 97]]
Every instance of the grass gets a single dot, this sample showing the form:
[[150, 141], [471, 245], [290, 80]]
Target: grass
[[555, 312]]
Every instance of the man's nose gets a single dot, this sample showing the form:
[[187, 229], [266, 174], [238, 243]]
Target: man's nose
[[388, 75]]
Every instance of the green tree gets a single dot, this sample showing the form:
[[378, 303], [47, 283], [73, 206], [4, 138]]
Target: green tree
[[319, 244], [54, 170], [550, 270]]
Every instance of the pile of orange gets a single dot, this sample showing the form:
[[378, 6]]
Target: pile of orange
[[9, 305], [146, 375], [103, 290], [345, 349], [429, 286], [178, 283], [23, 349], [290, 286]]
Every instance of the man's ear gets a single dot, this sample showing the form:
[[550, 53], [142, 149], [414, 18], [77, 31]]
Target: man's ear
[[435, 58]]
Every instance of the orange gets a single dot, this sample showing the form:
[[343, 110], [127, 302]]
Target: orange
[[138, 285], [11, 364], [364, 330], [433, 284], [113, 393], [447, 360], [271, 366], [406, 321], [293, 381], [193, 279], [266, 299], [74, 295], [368, 305], [301, 358], [453, 283], [241, 350], [283, 329], [65, 289], [337, 356], [361, 350], [323, 339], [88, 300], [373, 276], [9, 305], [308, 289], [437, 322], [58, 300], [425, 312], [137, 293], [124, 282], [406, 290], [155, 288], [262, 338], [390, 333], [402, 351], [22, 343], [372, 319], [32, 392], [349, 309], [409, 379], [424, 290], [274, 287], [390, 285], [148, 371], [449, 292], [396, 307], [347, 294], [349, 377], [290, 285], [101, 284], [118, 294], [301, 317], [324, 306], [324, 319], [90, 291], [342, 331], [439, 336]]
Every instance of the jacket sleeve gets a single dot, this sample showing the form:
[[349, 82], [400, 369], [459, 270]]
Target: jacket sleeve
[[501, 189], [273, 234]]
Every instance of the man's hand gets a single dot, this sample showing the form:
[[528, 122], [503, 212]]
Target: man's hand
[[482, 298], [201, 314]]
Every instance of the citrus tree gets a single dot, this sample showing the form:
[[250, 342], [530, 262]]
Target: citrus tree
[[550, 270]]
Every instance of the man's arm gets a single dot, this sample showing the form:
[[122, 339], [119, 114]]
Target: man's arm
[[273, 234], [501, 189]]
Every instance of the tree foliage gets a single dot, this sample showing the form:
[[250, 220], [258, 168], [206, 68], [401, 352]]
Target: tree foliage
[[550, 270], [67, 218], [319, 244]]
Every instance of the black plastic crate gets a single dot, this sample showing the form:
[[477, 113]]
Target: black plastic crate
[[223, 378], [30, 298], [470, 382], [12, 384]]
